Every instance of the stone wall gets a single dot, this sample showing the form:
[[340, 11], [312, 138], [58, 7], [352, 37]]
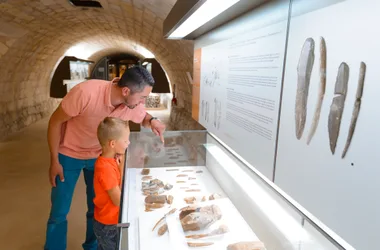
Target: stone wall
[[180, 119], [35, 35]]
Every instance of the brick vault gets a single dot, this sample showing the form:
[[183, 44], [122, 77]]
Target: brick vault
[[35, 34]]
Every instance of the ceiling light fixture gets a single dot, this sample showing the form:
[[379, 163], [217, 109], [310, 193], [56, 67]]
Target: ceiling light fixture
[[207, 11]]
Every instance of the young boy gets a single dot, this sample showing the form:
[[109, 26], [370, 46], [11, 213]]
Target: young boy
[[113, 135]]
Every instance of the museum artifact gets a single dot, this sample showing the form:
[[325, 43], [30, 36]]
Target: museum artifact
[[145, 171], [200, 218], [155, 187], [162, 230], [170, 199], [149, 207], [322, 89], [190, 200], [337, 105], [172, 211], [155, 199], [247, 245], [355, 112], [146, 178], [220, 230], [305, 66], [199, 244], [182, 175]]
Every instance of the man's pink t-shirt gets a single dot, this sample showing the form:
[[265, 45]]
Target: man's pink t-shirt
[[88, 103]]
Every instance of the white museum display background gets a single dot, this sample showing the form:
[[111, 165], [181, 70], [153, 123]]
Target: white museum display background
[[240, 89], [340, 192]]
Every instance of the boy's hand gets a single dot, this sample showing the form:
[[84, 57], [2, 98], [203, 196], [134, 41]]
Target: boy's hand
[[119, 159], [54, 170]]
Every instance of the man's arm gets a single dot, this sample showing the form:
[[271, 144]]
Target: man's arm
[[146, 122], [115, 193], [157, 126], [54, 137]]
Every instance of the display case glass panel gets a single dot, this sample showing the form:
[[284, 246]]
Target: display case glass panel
[[192, 191]]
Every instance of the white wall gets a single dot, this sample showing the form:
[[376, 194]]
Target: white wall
[[340, 192]]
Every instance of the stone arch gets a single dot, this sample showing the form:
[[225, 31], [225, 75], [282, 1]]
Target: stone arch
[[34, 35]]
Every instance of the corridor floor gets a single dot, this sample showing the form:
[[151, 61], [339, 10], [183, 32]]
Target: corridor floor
[[25, 190]]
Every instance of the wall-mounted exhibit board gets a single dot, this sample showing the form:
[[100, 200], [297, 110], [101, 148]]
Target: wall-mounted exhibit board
[[339, 47], [240, 83], [328, 104]]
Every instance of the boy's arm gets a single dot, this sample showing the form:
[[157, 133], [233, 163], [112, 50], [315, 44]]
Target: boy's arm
[[109, 181], [120, 162], [115, 194]]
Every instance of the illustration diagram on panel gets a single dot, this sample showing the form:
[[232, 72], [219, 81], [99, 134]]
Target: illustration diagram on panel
[[212, 78], [203, 109], [304, 71], [217, 113], [207, 113]]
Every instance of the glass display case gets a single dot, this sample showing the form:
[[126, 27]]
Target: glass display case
[[193, 192]]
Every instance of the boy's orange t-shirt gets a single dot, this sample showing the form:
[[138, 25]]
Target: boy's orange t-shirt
[[106, 176]]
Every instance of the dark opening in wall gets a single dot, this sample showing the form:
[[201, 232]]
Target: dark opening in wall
[[86, 3], [69, 69], [113, 66], [162, 84]]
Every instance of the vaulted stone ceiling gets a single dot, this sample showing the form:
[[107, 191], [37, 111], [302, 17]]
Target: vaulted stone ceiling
[[35, 34]]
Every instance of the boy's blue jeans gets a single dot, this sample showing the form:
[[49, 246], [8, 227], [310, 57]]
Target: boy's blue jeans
[[61, 196]]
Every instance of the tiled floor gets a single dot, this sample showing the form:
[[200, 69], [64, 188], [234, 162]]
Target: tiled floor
[[25, 191]]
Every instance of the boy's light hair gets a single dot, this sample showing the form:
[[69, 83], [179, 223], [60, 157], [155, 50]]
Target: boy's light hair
[[111, 128]]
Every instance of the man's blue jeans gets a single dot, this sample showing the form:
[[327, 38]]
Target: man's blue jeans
[[61, 197]]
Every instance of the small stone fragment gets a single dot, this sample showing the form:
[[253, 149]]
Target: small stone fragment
[[246, 245], [147, 177], [181, 181], [199, 172], [145, 171], [190, 200], [182, 175], [170, 199], [192, 178], [162, 230], [185, 211], [155, 181], [168, 186], [193, 190], [200, 244], [153, 206], [155, 199], [214, 196], [204, 198]]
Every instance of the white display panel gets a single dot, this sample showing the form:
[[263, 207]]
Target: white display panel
[[240, 89], [175, 237], [339, 191]]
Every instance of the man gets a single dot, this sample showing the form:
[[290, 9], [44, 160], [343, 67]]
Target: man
[[74, 145]]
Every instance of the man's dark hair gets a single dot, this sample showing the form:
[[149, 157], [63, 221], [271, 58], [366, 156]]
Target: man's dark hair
[[136, 79]]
